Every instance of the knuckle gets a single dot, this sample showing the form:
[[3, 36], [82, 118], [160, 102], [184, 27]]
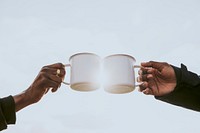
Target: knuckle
[[153, 70], [150, 76], [145, 84], [64, 72], [140, 72], [141, 87], [144, 77], [60, 64], [139, 79], [165, 63], [44, 68], [43, 76], [151, 62]]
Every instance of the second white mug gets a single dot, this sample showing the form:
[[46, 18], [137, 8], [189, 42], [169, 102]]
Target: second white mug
[[119, 73]]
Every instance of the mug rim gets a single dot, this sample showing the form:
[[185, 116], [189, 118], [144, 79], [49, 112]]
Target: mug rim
[[83, 53], [121, 55]]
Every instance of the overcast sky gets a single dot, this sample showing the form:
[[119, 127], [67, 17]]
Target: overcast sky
[[40, 32]]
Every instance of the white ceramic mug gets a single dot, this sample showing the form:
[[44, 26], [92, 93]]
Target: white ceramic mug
[[119, 73], [85, 70]]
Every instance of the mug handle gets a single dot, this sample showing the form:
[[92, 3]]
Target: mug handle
[[137, 66], [66, 83]]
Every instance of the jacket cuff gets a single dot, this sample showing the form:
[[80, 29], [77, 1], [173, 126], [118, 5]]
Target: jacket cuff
[[178, 74], [8, 109], [189, 78]]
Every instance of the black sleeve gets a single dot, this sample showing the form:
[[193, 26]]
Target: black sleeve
[[187, 92], [7, 112]]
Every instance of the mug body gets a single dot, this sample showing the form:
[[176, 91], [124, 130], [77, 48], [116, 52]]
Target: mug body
[[85, 70], [119, 73]]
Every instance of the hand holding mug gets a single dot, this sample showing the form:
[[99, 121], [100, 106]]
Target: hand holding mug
[[158, 78], [50, 77]]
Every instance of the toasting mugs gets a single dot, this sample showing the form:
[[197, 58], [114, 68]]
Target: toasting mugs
[[115, 73]]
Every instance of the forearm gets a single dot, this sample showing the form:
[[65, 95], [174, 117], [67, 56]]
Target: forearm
[[183, 98], [23, 99], [29, 96], [187, 92]]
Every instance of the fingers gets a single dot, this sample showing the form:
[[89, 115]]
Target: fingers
[[145, 76], [150, 64], [52, 69], [56, 65], [53, 76], [157, 65], [144, 87], [50, 81], [148, 91]]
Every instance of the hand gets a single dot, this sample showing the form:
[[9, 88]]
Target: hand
[[158, 78], [50, 77]]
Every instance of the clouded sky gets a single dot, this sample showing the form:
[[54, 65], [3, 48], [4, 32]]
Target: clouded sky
[[40, 32]]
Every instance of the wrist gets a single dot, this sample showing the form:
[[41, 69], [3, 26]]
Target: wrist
[[21, 101]]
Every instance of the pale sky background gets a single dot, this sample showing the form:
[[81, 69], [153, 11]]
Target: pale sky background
[[40, 32]]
